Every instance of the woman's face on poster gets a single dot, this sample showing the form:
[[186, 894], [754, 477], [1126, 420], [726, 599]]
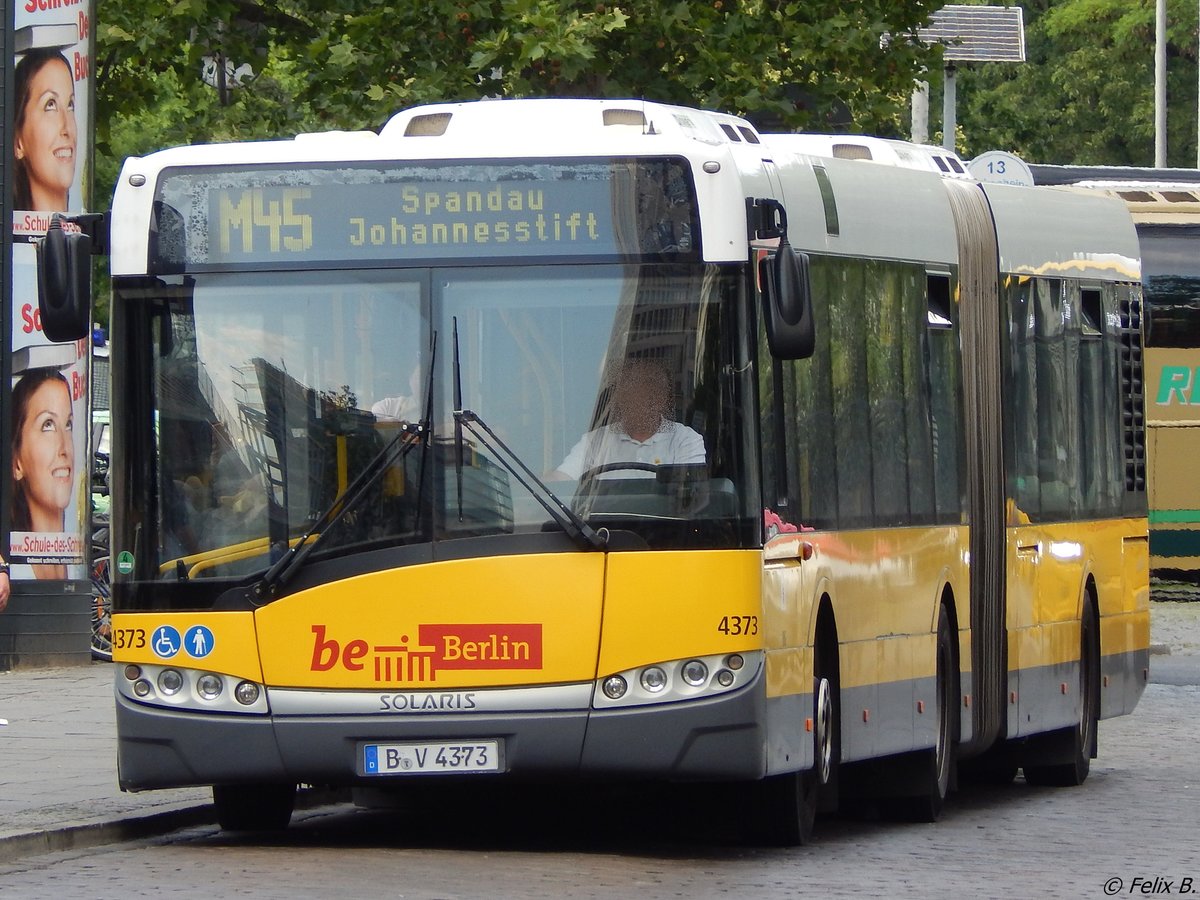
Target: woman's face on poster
[[46, 460], [47, 139]]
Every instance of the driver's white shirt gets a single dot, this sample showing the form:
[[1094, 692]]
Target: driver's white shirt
[[400, 409], [672, 444]]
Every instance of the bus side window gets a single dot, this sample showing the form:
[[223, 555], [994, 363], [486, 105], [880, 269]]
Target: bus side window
[[1021, 389]]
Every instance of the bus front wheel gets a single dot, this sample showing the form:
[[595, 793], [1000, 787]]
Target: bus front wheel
[[254, 807], [788, 804]]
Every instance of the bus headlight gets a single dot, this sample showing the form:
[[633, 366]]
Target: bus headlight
[[654, 679], [170, 682], [615, 687], [694, 672], [246, 693], [690, 678], [209, 686], [179, 688]]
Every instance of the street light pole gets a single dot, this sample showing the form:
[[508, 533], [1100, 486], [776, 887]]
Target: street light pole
[[949, 107], [1160, 84], [920, 113]]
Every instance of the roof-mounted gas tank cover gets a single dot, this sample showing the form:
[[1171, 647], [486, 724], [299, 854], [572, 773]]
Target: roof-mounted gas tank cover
[[489, 118], [883, 151]]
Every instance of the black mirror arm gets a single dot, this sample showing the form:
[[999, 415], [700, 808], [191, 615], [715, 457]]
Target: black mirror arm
[[96, 226], [767, 219]]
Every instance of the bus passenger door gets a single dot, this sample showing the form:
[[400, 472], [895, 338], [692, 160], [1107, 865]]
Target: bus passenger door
[[786, 604], [1025, 547], [788, 581]]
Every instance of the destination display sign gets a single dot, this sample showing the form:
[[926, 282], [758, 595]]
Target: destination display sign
[[266, 216]]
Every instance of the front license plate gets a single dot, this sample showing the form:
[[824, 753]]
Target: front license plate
[[434, 757]]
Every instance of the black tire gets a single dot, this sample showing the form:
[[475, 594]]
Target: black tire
[[819, 783], [946, 751], [781, 811], [992, 774], [935, 767], [1083, 737], [788, 804], [254, 807]]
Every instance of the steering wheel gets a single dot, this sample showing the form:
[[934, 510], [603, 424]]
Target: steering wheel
[[617, 467]]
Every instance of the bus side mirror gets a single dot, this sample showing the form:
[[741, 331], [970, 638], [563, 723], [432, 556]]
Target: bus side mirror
[[787, 301], [64, 274]]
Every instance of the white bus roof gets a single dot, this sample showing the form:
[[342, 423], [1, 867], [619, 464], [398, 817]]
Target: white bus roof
[[884, 151], [880, 186]]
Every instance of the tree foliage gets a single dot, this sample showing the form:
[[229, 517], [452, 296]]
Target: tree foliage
[[315, 65], [1085, 95], [801, 63]]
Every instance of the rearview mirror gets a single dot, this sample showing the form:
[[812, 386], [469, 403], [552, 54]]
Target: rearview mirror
[[64, 275], [787, 302]]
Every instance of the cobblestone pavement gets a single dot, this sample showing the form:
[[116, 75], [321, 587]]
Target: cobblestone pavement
[[1175, 627], [1137, 816], [59, 757]]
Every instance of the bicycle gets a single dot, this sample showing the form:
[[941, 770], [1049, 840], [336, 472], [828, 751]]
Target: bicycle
[[101, 594]]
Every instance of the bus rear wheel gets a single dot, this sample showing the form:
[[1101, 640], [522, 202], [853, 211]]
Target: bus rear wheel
[[1080, 741], [254, 807]]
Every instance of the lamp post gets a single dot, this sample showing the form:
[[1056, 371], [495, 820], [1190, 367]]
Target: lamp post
[[1160, 84]]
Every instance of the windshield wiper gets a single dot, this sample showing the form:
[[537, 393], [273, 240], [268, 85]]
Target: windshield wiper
[[427, 423], [393, 452], [568, 520], [458, 427]]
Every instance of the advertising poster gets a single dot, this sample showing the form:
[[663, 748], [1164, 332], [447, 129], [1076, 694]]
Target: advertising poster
[[48, 405]]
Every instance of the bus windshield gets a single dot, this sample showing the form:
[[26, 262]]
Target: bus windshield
[[619, 386]]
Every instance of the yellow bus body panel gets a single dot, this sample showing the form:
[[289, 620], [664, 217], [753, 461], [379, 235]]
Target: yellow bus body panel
[[490, 622], [666, 605], [233, 650], [1049, 567], [789, 671], [787, 614], [885, 586]]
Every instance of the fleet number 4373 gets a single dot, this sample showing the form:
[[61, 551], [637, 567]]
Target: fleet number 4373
[[738, 625], [129, 638]]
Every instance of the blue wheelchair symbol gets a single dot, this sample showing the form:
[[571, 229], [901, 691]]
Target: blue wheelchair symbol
[[198, 641], [165, 641]]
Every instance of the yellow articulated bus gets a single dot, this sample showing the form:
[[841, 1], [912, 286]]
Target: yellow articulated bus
[[582, 439], [1165, 204]]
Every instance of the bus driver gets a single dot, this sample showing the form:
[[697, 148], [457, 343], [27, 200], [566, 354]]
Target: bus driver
[[640, 427]]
